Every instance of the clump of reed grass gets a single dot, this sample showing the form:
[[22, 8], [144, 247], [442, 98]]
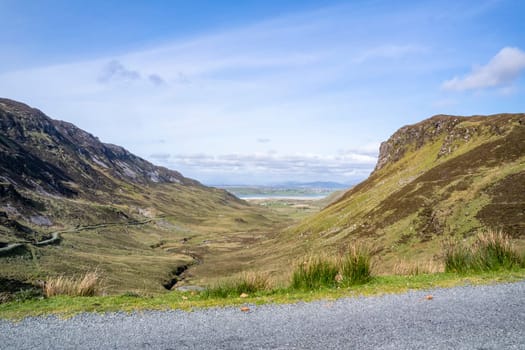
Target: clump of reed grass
[[457, 257], [248, 283], [355, 266], [494, 250], [316, 272], [87, 284], [491, 251]]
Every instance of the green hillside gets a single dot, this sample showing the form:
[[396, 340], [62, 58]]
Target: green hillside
[[444, 177]]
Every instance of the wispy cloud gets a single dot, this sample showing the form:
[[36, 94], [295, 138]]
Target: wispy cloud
[[156, 79], [115, 71], [501, 70]]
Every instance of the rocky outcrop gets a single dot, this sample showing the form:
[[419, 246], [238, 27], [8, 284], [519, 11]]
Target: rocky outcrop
[[450, 130]]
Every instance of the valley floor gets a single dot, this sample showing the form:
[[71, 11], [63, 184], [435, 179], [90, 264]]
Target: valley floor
[[163, 251]]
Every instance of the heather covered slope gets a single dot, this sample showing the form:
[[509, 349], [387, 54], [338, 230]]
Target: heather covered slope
[[445, 176]]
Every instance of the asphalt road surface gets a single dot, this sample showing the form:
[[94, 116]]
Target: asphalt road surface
[[482, 317]]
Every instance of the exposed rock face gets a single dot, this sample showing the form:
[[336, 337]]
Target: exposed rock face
[[56, 157], [451, 129]]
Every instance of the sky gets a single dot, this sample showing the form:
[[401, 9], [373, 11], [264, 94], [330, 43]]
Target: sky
[[261, 92]]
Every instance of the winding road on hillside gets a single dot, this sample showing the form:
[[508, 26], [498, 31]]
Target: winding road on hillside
[[472, 317], [56, 236]]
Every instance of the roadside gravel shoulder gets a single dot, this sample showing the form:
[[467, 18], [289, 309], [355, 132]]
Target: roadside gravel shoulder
[[469, 317]]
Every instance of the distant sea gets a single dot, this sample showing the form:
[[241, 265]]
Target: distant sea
[[275, 196], [299, 191]]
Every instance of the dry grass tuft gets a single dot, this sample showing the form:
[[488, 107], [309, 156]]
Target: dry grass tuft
[[85, 285], [405, 268], [257, 281]]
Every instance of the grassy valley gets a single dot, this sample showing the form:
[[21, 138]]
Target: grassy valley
[[142, 252], [71, 205]]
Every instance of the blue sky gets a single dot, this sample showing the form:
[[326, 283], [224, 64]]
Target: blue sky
[[255, 92]]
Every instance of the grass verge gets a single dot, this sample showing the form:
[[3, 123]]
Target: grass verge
[[65, 306]]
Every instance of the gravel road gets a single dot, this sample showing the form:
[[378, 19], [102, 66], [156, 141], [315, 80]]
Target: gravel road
[[481, 317]]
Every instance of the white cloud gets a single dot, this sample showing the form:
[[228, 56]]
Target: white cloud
[[345, 167], [160, 156], [501, 70]]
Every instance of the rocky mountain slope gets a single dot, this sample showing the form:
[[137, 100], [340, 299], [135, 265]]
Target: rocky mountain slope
[[444, 177], [70, 203], [57, 158], [44, 161]]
